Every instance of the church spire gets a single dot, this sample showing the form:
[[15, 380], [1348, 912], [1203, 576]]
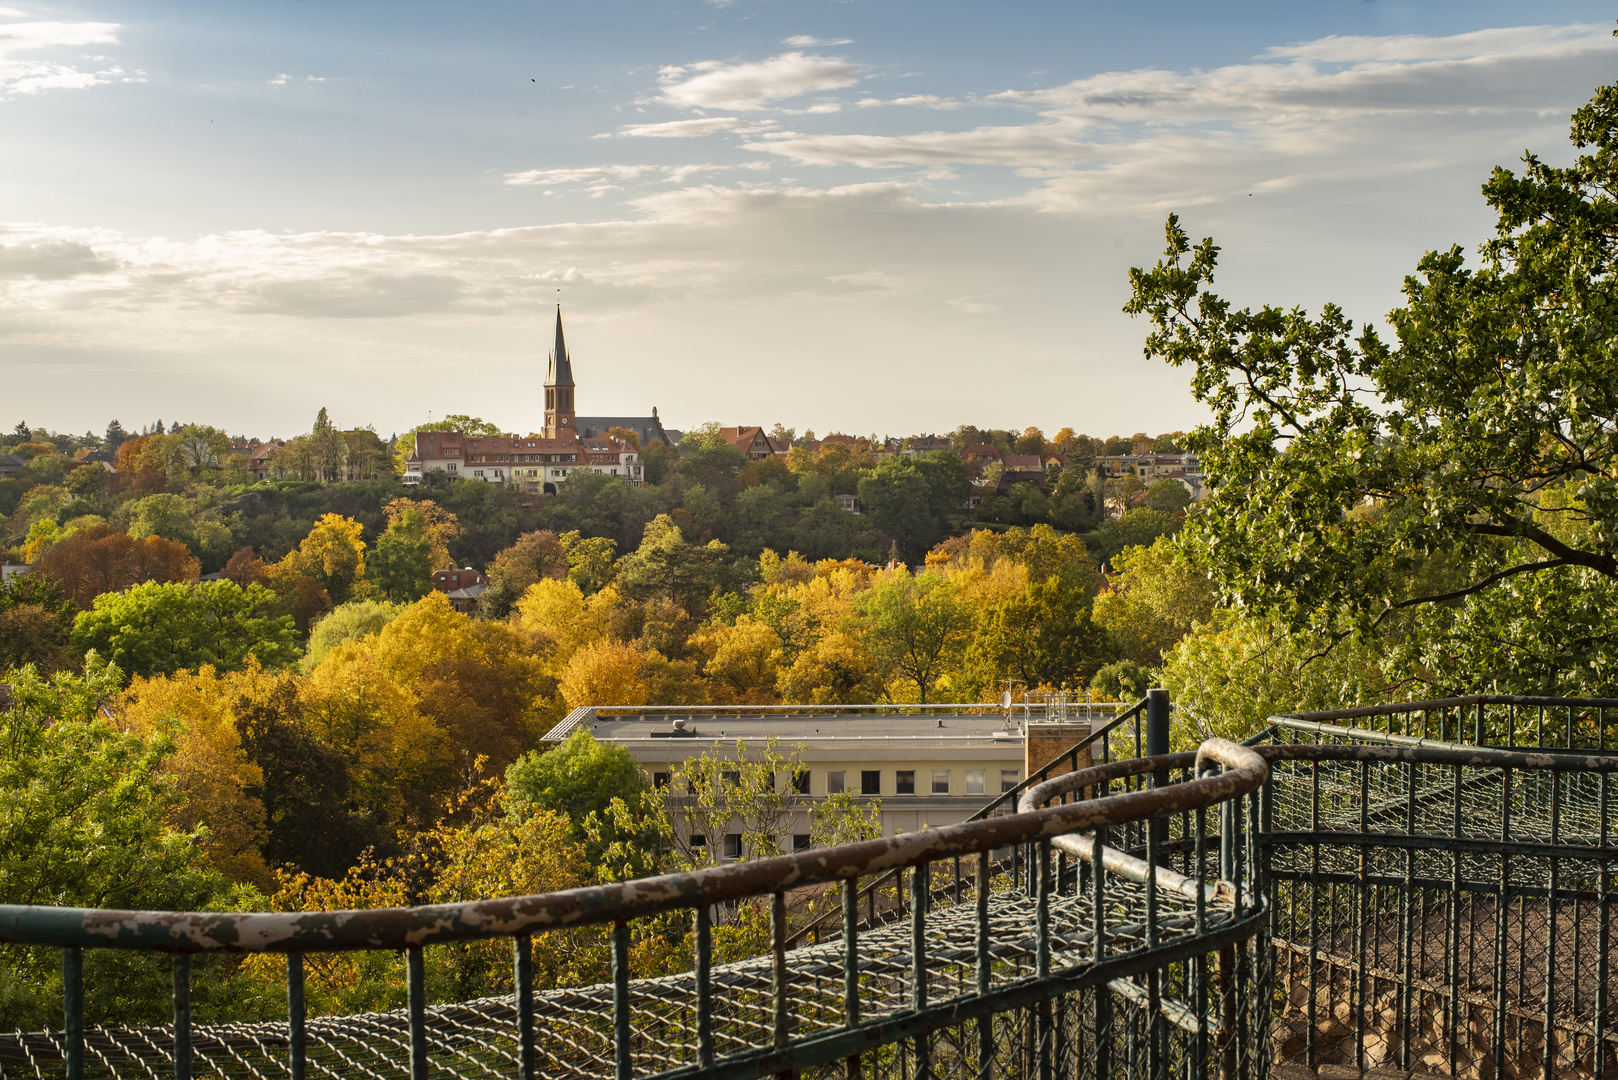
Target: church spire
[[561, 370], [559, 414]]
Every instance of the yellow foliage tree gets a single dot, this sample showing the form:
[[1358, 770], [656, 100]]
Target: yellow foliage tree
[[836, 670], [604, 673], [746, 663], [198, 711], [334, 555]]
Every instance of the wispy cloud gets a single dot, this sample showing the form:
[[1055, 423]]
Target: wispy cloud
[[713, 84], [676, 129], [35, 76], [807, 41], [919, 101]]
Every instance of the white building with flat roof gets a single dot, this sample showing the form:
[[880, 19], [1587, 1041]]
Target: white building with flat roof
[[928, 766]]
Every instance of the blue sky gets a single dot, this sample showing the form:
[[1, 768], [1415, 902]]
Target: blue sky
[[874, 215]]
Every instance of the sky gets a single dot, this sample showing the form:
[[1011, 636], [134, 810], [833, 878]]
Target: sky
[[870, 216]]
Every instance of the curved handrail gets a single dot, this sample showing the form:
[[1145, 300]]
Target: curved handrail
[[1246, 771]]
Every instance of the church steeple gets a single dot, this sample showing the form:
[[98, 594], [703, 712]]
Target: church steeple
[[559, 412]]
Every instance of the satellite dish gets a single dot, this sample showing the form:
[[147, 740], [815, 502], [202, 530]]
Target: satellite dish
[[1005, 700]]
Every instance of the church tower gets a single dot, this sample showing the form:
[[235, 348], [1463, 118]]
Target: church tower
[[561, 421]]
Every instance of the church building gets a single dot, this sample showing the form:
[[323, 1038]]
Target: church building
[[539, 462]]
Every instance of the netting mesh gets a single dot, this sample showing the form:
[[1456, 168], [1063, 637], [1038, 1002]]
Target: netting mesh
[[1444, 917]]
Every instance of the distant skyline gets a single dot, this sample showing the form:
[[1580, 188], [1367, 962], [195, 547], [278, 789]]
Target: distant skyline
[[876, 215]]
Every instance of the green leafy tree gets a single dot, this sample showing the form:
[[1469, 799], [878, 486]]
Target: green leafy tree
[[401, 564], [162, 515], [578, 778], [590, 561], [1167, 496], [1156, 598], [1465, 476], [84, 823], [1133, 528], [665, 565], [915, 626], [154, 629], [353, 621]]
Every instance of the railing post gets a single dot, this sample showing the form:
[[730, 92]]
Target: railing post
[[73, 1010], [417, 976], [182, 1016], [1157, 721], [297, 1041], [778, 967], [704, 978], [919, 878], [623, 1065], [851, 966], [523, 988]]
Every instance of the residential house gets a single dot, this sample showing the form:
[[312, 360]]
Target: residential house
[[463, 587]]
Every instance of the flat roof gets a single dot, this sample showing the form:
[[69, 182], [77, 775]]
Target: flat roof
[[809, 727]]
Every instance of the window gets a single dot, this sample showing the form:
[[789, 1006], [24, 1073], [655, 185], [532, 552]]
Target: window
[[731, 777], [660, 779], [904, 782], [800, 841], [1009, 778], [800, 781], [940, 781], [870, 781], [835, 782], [733, 845], [974, 781], [699, 841]]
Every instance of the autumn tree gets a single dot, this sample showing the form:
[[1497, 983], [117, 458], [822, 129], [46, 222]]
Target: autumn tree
[[332, 556], [443, 527], [101, 559], [35, 621], [534, 557]]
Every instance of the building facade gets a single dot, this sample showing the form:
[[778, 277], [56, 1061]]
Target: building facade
[[925, 769]]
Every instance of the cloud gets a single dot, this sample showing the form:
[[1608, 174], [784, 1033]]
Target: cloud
[[591, 174], [280, 80], [806, 41], [369, 296], [35, 76], [52, 260], [1029, 144], [921, 101], [1299, 117], [675, 129], [599, 179], [712, 84]]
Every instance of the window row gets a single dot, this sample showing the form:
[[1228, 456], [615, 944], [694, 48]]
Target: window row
[[838, 781]]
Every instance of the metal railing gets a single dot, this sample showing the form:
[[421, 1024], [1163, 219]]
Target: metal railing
[[984, 956], [1381, 895]]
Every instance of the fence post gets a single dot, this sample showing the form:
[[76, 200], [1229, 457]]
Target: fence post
[[1157, 742], [1157, 721]]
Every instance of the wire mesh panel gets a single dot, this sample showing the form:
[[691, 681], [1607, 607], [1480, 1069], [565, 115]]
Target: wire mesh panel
[[1455, 915]]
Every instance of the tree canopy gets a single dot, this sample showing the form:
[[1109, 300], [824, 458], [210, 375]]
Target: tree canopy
[[1459, 482]]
